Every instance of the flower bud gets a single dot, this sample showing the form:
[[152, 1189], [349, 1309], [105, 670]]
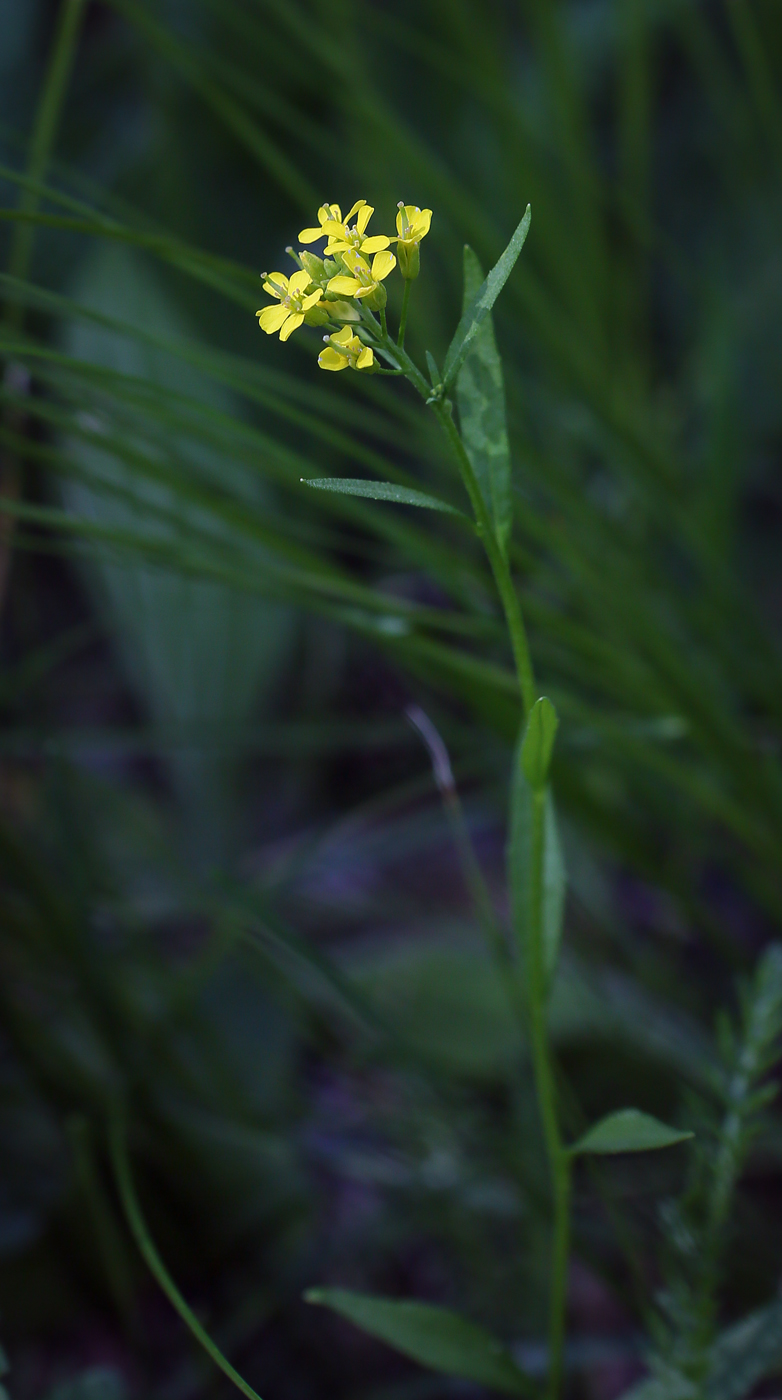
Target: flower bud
[[408, 256], [377, 298]]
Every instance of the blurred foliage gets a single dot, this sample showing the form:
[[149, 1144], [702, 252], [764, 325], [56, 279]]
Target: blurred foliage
[[228, 892]]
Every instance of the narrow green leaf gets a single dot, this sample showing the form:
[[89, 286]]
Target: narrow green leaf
[[435, 1337], [381, 491], [520, 856], [468, 327], [538, 742], [745, 1353], [480, 398], [629, 1130], [434, 373]]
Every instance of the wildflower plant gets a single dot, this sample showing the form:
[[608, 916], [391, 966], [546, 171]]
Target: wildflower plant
[[472, 376]]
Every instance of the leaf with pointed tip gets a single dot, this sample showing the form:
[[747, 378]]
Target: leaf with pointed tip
[[480, 398], [538, 742], [381, 491], [435, 1337], [521, 880], [483, 302], [629, 1130]]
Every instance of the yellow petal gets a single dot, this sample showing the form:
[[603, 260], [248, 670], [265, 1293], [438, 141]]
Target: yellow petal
[[276, 284], [375, 244], [311, 299], [308, 235], [292, 324], [364, 291], [364, 216], [331, 359], [344, 336], [338, 245], [365, 359], [299, 282], [382, 264], [272, 317], [345, 286], [419, 226], [333, 229], [359, 204]]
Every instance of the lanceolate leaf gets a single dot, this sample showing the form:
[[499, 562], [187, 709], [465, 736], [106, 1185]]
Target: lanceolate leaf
[[480, 398], [435, 1337], [629, 1130], [538, 742], [554, 875], [381, 491], [468, 327]]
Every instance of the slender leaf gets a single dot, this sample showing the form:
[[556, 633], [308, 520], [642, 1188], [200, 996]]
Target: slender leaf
[[538, 742], [480, 398], [628, 1130], [479, 308], [435, 1337], [554, 875], [381, 491]]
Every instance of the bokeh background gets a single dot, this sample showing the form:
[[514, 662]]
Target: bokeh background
[[230, 894]]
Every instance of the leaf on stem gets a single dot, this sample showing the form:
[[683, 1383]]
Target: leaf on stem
[[480, 398], [435, 1337], [381, 491], [628, 1130], [483, 302], [521, 873], [538, 742]]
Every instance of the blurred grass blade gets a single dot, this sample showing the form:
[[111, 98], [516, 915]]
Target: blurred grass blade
[[127, 1192]]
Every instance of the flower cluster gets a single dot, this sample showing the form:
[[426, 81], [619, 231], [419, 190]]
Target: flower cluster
[[346, 283]]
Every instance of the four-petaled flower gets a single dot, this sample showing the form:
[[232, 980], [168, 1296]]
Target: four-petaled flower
[[294, 304], [412, 225], [341, 237], [345, 349], [363, 280]]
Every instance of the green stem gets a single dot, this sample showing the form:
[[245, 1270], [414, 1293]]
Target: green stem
[[127, 1191], [545, 1087], [497, 560], [403, 318], [559, 1161]]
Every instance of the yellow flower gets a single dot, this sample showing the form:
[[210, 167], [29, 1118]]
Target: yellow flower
[[342, 238], [364, 281], [325, 213], [412, 225], [345, 349], [294, 305]]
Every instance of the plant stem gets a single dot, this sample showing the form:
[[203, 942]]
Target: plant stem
[[559, 1162], [403, 318], [545, 1087], [138, 1228], [499, 564]]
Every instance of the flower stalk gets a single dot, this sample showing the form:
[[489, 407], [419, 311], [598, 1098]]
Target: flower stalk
[[345, 283]]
